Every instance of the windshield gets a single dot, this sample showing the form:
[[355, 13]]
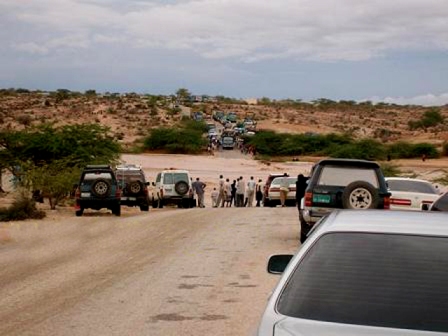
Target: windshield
[[384, 280], [343, 176], [411, 186], [277, 180]]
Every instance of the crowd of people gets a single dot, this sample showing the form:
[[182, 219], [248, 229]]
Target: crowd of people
[[242, 193]]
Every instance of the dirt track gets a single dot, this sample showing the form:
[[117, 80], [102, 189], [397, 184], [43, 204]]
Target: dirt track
[[168, 272]]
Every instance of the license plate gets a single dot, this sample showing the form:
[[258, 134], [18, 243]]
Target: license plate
[[85, 194], [128, 199], [321, 198]]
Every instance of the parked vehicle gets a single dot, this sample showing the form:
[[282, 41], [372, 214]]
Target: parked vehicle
[[342, 184], [267, 184], [228, 141], [98, 188], [274, 192], [440, 204], [173, 187], [410, 194], [134, 186], [363, 273]]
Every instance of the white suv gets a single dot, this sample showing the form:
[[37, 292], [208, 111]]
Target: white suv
[[173, 187]]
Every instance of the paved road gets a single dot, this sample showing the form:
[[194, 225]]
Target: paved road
[[167, 272]]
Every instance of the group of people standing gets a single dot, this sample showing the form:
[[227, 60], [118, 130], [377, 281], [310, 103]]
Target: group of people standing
[[238, 192]]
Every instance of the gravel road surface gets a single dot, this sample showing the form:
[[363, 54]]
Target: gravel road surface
[[166, 272]]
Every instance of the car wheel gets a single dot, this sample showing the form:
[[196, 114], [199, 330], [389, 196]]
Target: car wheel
[[135, 187], [360, 195], [181, 187], [79, 212], [160, 203], [266, 202], [101, 188], [144, 207]]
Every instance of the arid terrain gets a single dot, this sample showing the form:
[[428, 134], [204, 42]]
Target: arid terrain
[[131, 116]]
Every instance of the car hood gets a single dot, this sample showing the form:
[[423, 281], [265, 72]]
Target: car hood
[[301, 327]]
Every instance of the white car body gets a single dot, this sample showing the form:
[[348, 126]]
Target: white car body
[[410, 194], [329, 285], [274, 189]]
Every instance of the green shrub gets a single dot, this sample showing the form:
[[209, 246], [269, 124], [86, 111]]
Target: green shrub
[[22, 208], [430, 118], [390, 170]]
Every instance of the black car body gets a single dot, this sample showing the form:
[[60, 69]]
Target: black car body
[[342, 184], [97, 189], [134, 186]]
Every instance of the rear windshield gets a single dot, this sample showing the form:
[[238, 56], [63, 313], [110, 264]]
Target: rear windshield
[[173, 178], [277, 180], [411, 186], [98, 175], [441, 204], [343, 176], [129, 176], [385, 280]]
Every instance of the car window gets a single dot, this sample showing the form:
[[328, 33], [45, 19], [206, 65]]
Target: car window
[[97, 175], [385, 280], [158, 178], [130, 176], [291, 180], [343, 176], [441, 204], [412, 186], [168, 178], [181, 177]]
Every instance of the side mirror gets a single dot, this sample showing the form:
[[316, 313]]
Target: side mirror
[[277, 263], [425, 207]]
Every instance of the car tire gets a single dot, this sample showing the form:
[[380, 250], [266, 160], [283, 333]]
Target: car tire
[[181, 187], [155, 203], [135, 187], [144, 207], [101, 188], [79, 212], [360, 195], [160, 204]]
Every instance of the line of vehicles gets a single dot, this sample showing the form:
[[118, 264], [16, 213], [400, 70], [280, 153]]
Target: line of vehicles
[[362, 271]]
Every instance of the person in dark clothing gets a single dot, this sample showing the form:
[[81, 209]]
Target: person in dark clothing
[[233, 193], [258, 193], [301, 185]]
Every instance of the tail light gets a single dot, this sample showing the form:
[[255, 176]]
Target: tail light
[[118, 193], [386, 203], [77, 193], [161, 193], [308, 199], [145, 191], [399, 201]]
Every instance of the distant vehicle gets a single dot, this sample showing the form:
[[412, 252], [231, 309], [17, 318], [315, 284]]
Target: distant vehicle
[[198, 116], [98, 188], [363, 273], [267, 184], [342, 184], [274, 192], [410, 194], [228, 141], [210, 126], [218, 115], [134, 186], [232, 117]]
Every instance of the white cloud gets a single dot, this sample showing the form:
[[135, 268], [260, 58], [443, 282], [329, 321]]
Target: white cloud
[[250, 30], [424, 100]]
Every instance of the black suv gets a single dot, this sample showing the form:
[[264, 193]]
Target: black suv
[[132, 182], [342, 184], [98, 188]]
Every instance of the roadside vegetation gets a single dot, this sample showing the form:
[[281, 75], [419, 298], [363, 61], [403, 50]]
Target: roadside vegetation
[[49, 159], [186, 138], [22, 208], [269, 143]]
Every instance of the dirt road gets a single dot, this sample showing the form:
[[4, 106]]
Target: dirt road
[[167, 272]]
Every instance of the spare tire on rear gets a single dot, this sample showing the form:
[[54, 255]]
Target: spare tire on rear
[[181, 187], [101, 188], [135, 187], [360, 195]]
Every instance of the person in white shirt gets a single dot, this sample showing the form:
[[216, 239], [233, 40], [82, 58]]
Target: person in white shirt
[[214, 198], [220, 199], [251, 191], [241, 189]]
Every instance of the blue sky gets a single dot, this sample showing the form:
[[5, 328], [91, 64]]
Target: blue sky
[[381, 50]]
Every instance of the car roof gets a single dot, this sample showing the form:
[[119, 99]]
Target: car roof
[[348, 162], [384, 221], [175, 171]]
